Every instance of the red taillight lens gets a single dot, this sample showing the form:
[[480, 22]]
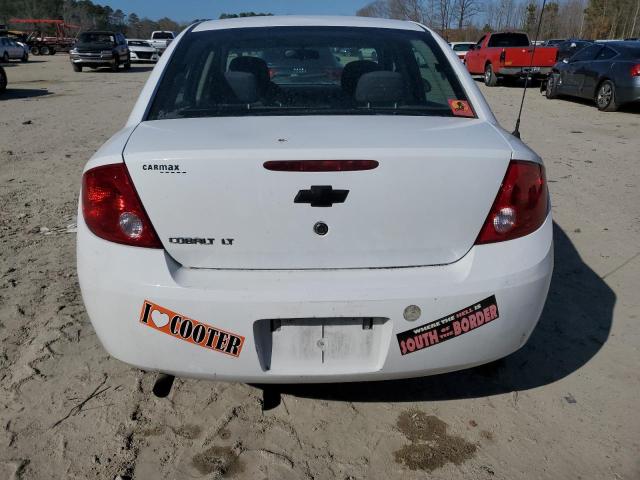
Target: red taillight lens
[[521, 205], [112, 210], [635, 70], [503, 55]]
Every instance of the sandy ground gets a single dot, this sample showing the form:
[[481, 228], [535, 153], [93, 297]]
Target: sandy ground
[[565, 406]]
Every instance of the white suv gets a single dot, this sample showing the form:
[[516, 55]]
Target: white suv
[[372, 223]]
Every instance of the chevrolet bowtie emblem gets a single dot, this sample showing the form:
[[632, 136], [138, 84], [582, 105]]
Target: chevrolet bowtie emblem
[[321, 196]]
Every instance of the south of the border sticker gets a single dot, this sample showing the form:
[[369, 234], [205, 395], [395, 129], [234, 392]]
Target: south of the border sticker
[[461, 108], [190, 330], [451, 326]]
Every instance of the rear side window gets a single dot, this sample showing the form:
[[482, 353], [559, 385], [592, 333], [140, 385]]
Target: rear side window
[[509, 40], [306, 71], [586, 54], [606, 53]]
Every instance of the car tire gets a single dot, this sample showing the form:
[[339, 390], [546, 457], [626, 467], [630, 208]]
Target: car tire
[[77, 68], [25, 57], [44, 50], [35, 51], [552, 87], [606, 97], [3, 80], [115, 65], [490, 79], [127, 64], [52, 51], [5, 57]]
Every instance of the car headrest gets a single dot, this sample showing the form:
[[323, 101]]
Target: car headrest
[[353, 71], [380, 87], [254, 65], [243, 85]]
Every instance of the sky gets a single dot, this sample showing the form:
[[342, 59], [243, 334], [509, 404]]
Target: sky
[[187, 10]]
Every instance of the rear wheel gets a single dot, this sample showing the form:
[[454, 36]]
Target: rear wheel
[[490, 79], [606, 97], [115, 65], [77, 68], [35, 51], [552, 86], [52, 51], [127, 64], [44, 50]]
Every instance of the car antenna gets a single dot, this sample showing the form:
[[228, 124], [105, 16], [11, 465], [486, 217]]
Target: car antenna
[[516, 131]]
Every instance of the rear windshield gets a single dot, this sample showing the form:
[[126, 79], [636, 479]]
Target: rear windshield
[[96, 38], [138, 43], [162, 36], [306, 71], [509, 40], [462, 47]]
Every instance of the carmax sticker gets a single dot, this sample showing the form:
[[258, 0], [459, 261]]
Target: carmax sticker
[[190, 330], [448, 327]]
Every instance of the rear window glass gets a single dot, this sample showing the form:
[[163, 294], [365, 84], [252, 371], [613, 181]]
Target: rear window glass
[[509, 40], [96, 38], [306, 71], [462, 47], [162, 36], [138, 43]]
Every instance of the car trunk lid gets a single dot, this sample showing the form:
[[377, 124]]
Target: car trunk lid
[[214, 204]]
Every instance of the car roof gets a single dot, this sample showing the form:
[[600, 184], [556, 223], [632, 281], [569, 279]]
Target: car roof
[[306, 21]]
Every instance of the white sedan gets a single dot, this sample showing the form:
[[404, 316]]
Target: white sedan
[[10, 49], [461, 48], [142, 52], [366, 220]]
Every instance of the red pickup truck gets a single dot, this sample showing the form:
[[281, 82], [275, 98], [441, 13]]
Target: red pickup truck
[[508, 54]]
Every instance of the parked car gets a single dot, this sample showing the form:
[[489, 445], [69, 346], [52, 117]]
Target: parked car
[[10, 49], [142, 51], [335, 232], [160, 40], [569, 48], [100, 49], [3, 80], [509, 55], [302, 65], [461, 48], [608, 73]]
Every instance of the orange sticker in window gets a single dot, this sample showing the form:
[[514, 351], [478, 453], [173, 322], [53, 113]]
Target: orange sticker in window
[[190, 330], [461, 108]]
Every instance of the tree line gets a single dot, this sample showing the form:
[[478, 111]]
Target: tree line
[[467, 19], [86, 14]]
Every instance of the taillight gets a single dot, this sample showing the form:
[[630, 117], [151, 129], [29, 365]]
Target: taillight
[[112, 210], [334, 73], [503, 55], [521, 205], [635, 70]]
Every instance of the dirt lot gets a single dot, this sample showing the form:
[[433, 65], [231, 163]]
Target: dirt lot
[[565, 406]]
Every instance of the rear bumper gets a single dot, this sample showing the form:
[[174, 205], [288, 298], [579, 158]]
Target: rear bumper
[[536, 72], [628, 93], [116, 280]]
